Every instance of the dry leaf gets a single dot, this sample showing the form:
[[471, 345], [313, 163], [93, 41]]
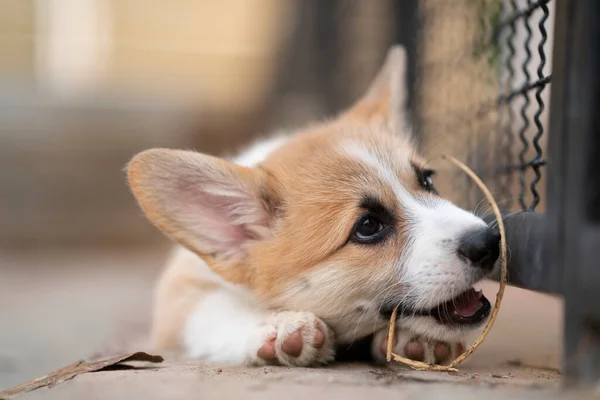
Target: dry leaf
[[71, 371]]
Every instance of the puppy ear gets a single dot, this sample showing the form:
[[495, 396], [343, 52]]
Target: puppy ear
[[206, 204], [385, 100]]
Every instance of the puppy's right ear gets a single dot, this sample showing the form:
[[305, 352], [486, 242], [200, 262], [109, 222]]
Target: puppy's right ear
[[207, 204], [385, 99]]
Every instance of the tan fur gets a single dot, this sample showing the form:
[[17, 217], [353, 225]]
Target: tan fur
[[180, 288], [313, 202]]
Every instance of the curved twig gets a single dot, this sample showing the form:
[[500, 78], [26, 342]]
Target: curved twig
[[503, 281]]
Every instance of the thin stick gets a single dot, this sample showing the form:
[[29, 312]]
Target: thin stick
[[390, 343], [503, 281], [421, 366]]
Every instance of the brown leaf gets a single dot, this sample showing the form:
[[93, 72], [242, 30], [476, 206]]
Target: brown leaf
[[70, 371]]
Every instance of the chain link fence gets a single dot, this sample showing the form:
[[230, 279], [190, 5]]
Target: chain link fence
[[484, 90]]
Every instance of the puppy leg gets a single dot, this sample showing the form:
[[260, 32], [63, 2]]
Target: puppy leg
[[225, 329]]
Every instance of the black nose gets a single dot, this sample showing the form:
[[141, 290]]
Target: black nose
[[481, 247]]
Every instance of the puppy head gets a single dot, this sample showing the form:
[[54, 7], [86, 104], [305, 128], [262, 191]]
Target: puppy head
[[342, 220]]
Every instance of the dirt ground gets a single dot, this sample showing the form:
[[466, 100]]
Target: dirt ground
[[58, 306]]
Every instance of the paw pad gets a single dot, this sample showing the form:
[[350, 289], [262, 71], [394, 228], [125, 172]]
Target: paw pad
[[308, 343], [293, 344]]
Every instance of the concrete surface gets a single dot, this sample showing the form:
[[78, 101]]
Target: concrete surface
[[58, 306], [344, 381]]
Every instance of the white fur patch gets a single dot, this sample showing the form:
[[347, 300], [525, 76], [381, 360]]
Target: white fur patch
[[432, 269], [260, 150], [383, 170], [226, 327]]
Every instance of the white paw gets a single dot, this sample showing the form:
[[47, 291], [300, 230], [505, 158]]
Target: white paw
[[418, 348], [296, 339]]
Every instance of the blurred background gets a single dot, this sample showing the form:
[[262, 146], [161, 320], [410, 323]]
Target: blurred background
[[85, 84]]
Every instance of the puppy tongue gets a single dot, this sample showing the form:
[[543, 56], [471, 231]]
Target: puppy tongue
[[468, 303]]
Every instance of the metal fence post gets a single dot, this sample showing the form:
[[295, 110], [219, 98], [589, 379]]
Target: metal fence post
[[574, 185]]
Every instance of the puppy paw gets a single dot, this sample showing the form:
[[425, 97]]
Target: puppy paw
[[297, 339], [414, 347]]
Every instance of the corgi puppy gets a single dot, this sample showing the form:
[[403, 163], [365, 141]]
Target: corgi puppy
[[308, 241]]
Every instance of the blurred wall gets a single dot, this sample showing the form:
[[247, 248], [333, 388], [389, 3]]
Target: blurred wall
[[85, 84], [17, 27]]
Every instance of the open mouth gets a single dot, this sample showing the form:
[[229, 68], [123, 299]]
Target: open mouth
[[468, 308]]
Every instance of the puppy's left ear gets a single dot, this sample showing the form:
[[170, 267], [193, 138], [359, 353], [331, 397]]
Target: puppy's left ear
[[385, 100], [212, 207]]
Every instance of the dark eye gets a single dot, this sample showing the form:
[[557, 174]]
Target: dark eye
[[368, 229], [426, 180]]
